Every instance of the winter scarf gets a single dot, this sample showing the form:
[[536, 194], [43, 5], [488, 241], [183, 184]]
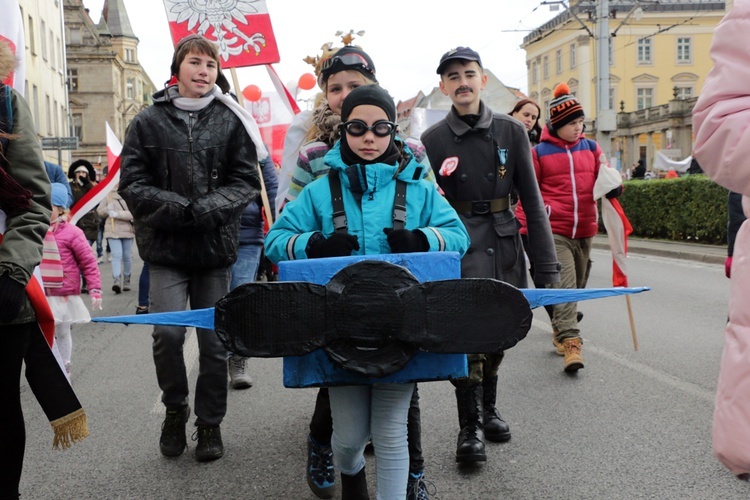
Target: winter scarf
[[191, 104]]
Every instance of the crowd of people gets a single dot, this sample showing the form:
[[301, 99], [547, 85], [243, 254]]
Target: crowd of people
[[499, 188]]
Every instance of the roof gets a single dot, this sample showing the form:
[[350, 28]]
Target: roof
[[116, 17]]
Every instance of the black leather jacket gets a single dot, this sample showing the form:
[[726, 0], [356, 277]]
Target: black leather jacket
[[187, 177]]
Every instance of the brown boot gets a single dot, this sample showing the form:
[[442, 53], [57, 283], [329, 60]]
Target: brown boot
[[573, 359], [558, 345]]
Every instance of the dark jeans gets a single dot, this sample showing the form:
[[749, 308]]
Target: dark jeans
[[14, 341], [171, 289], [143, 284], [100, 241], [321, 427]]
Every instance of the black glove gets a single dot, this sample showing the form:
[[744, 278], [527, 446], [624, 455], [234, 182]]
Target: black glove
[[337, 245], [12, 294], [614, 193], [405, 241]]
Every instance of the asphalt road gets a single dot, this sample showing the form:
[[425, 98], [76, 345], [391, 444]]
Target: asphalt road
[[630, 425]]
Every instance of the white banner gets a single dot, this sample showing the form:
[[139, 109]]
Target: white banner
[[663, 163], [11, 32]]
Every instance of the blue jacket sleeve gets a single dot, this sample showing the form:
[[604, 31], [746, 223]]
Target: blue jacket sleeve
[[442, 225], [288, 237]]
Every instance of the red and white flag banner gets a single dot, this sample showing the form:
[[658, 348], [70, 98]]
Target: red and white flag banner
[[615, 222], [273, 120], [286, 96], [91, 200], [241, 28], [618, 229], [11, 32]]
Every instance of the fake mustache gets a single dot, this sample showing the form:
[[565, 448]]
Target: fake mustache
[[460, 90]]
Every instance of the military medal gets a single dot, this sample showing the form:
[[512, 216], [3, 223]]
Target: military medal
[[502, 155]]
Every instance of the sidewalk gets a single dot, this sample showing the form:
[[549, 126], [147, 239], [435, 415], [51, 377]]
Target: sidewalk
[[711, 254]]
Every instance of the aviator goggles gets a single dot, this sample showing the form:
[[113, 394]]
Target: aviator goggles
[[344, 61], [358, 128]]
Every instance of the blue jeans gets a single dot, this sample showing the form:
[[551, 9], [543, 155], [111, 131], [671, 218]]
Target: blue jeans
[[379, 412], [122, 256], [171, 289], [246, 267]]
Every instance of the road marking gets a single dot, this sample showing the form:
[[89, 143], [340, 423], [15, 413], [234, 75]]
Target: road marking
[[190, 352], [665, 378]]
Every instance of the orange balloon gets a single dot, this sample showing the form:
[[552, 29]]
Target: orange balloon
[[307, 81], [252, 93]]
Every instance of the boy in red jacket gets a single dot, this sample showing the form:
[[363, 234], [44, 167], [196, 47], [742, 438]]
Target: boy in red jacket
[[567, 165]]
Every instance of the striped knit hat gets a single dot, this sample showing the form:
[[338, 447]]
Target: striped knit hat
[[564, 108]]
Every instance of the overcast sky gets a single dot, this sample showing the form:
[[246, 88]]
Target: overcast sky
[[404, 40]]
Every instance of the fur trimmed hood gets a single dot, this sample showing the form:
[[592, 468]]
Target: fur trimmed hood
[[7, 60]]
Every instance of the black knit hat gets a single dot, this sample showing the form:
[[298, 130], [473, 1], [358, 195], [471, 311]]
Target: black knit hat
[[369, 94], [346, 58], [564, 108]]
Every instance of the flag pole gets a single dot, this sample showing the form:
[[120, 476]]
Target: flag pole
[[632, 322], [263, 192]]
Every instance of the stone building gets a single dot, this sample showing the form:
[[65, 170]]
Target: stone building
[[106, 83]]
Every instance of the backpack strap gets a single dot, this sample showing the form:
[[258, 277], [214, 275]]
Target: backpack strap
[[399, 205], [337, 200]]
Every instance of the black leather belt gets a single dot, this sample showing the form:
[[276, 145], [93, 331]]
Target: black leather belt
[[482, 207]]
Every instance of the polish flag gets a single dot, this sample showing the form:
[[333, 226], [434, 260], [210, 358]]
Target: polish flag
[[274, 112], [615, 222], [240, 28], [618, 229], [96, 194], [11, 32], [288, 100]]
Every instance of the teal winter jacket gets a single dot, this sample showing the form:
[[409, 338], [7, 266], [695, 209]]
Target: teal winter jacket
[[368, 214]]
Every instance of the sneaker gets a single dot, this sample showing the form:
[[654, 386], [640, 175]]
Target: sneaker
[[238, 377], [321, 477], [116, 286], [210, 446], [573, 360], [141, 309], [109, 257], [173, 440], [100, 260], [126, 284], [416, 487]]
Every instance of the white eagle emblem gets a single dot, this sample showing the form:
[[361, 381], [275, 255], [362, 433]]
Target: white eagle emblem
[[222, 16]]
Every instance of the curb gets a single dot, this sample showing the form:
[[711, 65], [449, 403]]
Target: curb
[[677, 253]]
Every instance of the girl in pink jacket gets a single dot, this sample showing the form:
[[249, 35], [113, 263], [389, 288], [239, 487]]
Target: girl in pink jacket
[[76, 257], [721, 118]]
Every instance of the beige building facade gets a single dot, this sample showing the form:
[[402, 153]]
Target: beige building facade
[[45, 89], [106, 83], [658, 61]]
